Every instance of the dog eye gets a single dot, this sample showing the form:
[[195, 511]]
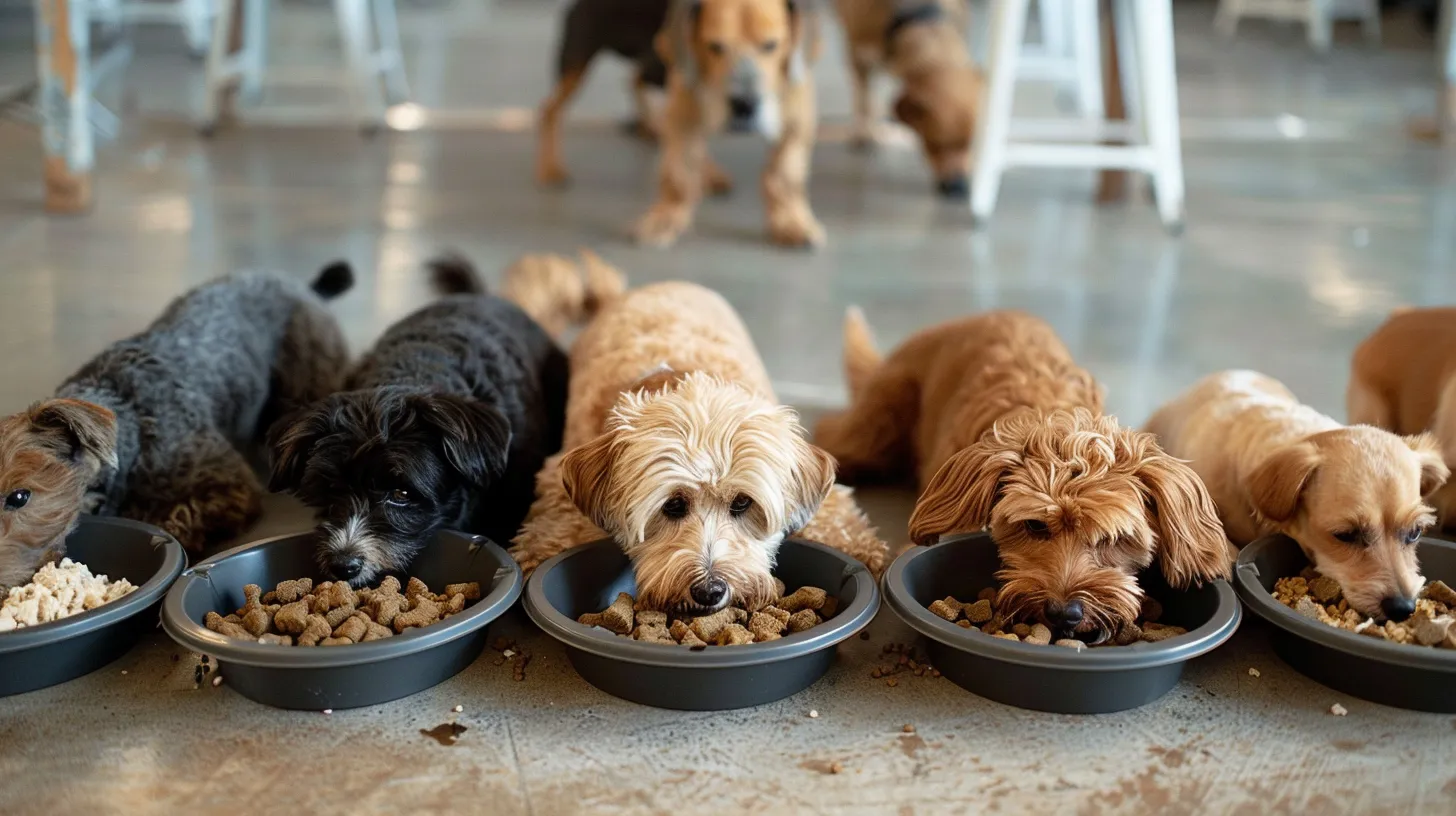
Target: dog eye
[[1414, 534], [17, 499], [1350, 536], [740, 505], [716, 47], [399, 497], [675, 507], [1034, 527], [769, 46]]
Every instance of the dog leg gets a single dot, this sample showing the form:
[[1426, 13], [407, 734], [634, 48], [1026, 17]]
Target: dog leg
[[790, 220], [715, 179], [679, 174], [865, 135], [204, 494], [644, 126], [550, 172], [871, 440]]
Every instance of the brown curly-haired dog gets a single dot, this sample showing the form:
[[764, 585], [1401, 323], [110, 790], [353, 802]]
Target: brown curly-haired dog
[[560, 293], [676, 447], [1006, 432]]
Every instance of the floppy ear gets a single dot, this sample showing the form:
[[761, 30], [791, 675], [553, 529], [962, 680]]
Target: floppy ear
[[808, 485], [1275, 485], [476, 436], [960, 495], [682, 20], [1434, 472], [586, 473], [291, 440], [76, 428], [1192, 545]]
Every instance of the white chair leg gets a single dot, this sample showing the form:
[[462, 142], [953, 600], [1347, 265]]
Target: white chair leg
[[993, 121], [363, 81], [1226, 21], [1321, 25], [391, 53], [197, 25], [1128, 60], [1160, 96], [1087, 53], [217, 76], [1052, 16], [255, 50]]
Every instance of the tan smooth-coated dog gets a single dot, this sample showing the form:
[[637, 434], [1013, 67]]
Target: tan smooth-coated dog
[[742, 65], [676, 447], [922, 44], [1352, 496], [1403, 379], [1005, 431]]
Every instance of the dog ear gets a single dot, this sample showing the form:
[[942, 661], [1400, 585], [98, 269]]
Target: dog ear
[[960, 495], [809, 484], [291, 439], [476, 436], [682, 21], [586, 473], [76, 428], [1434, 472], [1275, 485], [1192, 545]]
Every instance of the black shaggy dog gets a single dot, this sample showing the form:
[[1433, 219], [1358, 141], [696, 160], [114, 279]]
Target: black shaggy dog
[[443, 425]]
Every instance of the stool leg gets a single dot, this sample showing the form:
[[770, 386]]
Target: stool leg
[[1160, 109], [364, 91], [391, 54], [1226, 21], [196, 25], [1128, 60], [1087, 52], [217, 76], [993, 121], [1321, 26], [255, 49]]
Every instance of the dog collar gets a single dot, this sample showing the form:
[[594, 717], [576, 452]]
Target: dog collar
[[914, 15]]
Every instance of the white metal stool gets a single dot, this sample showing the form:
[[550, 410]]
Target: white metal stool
[[1149, 78], [1318, 15], [194, 17], [1067, 52], [369, 34]]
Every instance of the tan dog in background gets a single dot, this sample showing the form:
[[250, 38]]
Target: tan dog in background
[[1005, 431], [922, 44], [742, 65], [676, 447], [1403, 379], [1352, 496], [559, 293]]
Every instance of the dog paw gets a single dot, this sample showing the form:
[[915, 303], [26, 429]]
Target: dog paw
[[660, 227], [864, 139], [181, 525], [801, 231], [640, 129], [717, 182], [552, 175]]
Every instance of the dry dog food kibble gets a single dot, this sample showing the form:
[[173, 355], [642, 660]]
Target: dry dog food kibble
[[807, 607], [297, 613], [58, 591], [982, 615], [1318, 597]]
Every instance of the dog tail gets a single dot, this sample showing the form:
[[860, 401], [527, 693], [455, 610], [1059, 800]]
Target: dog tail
[[333, 280], [454, 274], [861, 357], [559, 294]]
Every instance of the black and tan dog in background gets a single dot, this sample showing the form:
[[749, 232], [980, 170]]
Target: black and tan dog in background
[[743, 66], [922, 44]]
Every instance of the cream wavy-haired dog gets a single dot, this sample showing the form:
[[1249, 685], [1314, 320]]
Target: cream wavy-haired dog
[[1005, 431], [1352, 496], [677, 448]]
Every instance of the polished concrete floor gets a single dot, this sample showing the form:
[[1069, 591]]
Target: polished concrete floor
[[1310, 215]]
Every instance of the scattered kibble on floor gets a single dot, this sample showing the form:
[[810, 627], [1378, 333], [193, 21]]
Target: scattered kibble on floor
[[813, 714], [1253, 672], [1339, 710]]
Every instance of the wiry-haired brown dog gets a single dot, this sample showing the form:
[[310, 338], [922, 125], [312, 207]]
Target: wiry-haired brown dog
[[676, 447], [1006, 432]]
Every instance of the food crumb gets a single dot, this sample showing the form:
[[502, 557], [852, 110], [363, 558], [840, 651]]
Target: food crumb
[[813, 714], [217, 681], [908, 728], [1253, 672], [892, 682], [1338, 710], [123, 671], [835, 767], [458, 709], [328, 711]]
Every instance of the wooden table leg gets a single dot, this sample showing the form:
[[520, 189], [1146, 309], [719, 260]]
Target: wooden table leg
[[1111, 184], [63, 54]]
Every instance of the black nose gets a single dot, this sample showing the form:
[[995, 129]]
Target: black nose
[[954, 187], [1068, 614], [346, 569], [709, 591], [742, 107], [1397, 608]]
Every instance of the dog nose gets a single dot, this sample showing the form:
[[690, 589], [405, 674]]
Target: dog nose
[[954, 187], [347, 569], [743, 107], [1068, 614], [709, 591], [1397, 608]]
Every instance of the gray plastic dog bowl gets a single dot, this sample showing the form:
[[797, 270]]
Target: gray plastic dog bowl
[[316, 678], [38, 656], [1050, 678], [588, 578], [1395, 674]]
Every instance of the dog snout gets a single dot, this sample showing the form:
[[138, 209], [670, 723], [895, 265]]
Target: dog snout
[[953, 187], [744, 107], [346, 568], [1064, 615], [1398, 608], [709, 592]]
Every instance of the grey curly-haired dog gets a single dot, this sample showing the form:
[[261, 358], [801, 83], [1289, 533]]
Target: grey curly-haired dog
[[157, 427], [444, 425]]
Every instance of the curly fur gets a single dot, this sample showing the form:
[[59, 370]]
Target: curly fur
[[157, 426], [1005, 431], [443, 424], [669, 401], [560, 294]]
